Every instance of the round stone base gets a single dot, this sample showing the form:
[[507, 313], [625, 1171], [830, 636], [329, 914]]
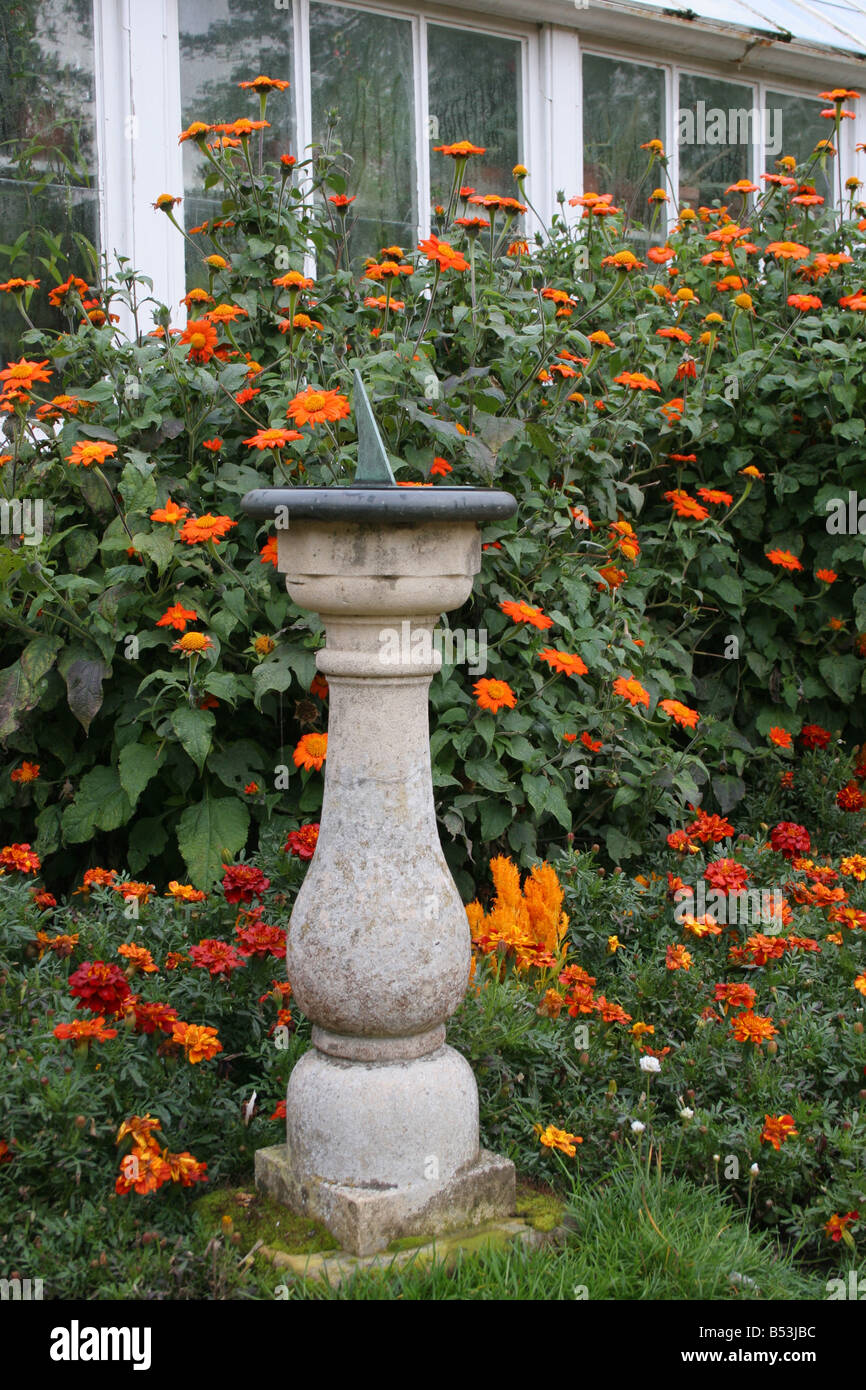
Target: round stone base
[[381, 1125]]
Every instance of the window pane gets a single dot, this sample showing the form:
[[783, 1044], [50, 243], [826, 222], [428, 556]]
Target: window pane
[[623, 108], [716, 124], [361, 67], [222, 43], [794, 126], [474, 94], [47, 132]]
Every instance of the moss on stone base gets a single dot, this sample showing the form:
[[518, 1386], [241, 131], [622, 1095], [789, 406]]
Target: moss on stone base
[[539, 1207], [258, 1218]]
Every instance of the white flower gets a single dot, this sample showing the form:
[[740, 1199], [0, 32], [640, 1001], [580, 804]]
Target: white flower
[[687, 1113], [637, 1127], [717, 1158], [754, 1170], [650, 1064]]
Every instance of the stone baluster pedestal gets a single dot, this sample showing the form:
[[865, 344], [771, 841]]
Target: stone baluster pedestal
[[382, 1115]]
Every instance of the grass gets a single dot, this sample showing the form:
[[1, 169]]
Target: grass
[[635, 1236]]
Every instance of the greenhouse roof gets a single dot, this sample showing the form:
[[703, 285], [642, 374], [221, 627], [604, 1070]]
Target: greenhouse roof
[[825, 23]]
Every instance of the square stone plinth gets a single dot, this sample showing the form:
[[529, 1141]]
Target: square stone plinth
[[365, 1220]]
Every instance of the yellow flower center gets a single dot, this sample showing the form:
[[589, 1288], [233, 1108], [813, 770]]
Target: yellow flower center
[[315, 401], [193, 642], [197, 341]]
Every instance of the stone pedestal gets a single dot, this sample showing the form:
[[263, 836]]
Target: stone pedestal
[[382, 1116]]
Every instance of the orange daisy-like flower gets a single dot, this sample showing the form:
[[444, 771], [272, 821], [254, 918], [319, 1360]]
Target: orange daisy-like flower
[[311, 752], [303, 323], [242, 128], [27, 772], [784, 559], [560, 1139], [788, 250], [205, 528], [612, 577], [139, 958], [445, 255], [624, 260], [637, 381], [197, 131], [860, 984], [826, 576], [525, 613], [272, 439], [715, 497], [24, 374], [201, 336], [268, 552], [564, 663], [170, 514], [192, 644], [778, 1128], [600, 339], [91, 451], [266, 84], [751, 1027], [314, 407], [185, 893], [679, 334], [225, 313], [293, 280], [631, 690], [177, 617], [686, 506], [440, 467], [494, 695], [84, 1030], [461, 149], [678, 958], [680, 713], [780, 737]]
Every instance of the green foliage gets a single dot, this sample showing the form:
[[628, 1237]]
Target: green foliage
[[146, 752]]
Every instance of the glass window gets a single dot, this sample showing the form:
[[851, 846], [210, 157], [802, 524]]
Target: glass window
[[794, 126], [717, 123], [361, 71], [474, 94], [623, 108], [222, 43], [47, 150]]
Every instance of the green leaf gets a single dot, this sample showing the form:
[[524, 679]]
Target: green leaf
[[84, 689], [842, 674], [212, 833], [496, 815], [158, 546], [100, 804], [238, 764], [194, 728], [137, 763], [728, 791]]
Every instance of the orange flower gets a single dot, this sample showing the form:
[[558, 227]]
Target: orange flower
[[750, 1027], [565, 663], [202, 338], [170, 514], [311, 752], [272, 439], [268, 552], [784, 559], [20, 857], [673, 409], [192, 643], [683, 716], [177, 617], [199, 1043], [314, 407], [27, 772], [138, 957], [624, 260], [197, 131], [780, 737], [266, 84], [559, 1139], [778, 1128], [205, 528], [185, 893], [860, 983], [294, 280], [686, 506], [638, 381], [788, 250], [678, 958], [91, 451], [600, 339], [631, 690], [804, 302], [443, 254], [715, 496], [826, 576], [679, 334], [225, 313], [494, 695], [242, 128], [525, 613], [461, 149], [440, 467], [612, 577], [21, 376], [16, 285], [85, 1030]]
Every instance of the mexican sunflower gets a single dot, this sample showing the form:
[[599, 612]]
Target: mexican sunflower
[[680, 713], [445, 256], [784, 559], [311, 752], [272, 439], [494, 695], [201, 336], [529, 923], [525, 613], [177, 617], [170, 514], [199, 529], [631, 690], [315, 407], [564, 663], [24, 374], [686, 506], [90, 451]]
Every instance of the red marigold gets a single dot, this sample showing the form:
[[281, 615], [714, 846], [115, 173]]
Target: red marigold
[[217, 957], [850, 798], [709, 829], [814, 736], [261, 939], [726, 875], [302, 842], [243, 882], [777, 1128], [789, 839], [99, 987]]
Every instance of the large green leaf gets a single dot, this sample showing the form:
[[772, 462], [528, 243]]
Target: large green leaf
[[100, 804], [194, 728], [210, 834], [138, 762]]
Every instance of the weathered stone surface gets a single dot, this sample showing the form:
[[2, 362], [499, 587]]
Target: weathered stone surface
[[365, 1219], [382, 1116]]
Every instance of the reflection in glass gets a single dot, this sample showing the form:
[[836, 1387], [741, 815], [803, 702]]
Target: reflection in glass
[[222, 43], [623, 108], [474, 94], [794, 126], [47, 146], [717, 123], [361, 67]]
